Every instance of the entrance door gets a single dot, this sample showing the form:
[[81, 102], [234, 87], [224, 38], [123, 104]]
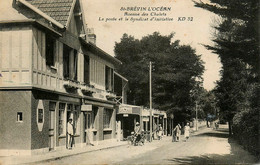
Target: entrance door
[[88, 138], [52, 125]]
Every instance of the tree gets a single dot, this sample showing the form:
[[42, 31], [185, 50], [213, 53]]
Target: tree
[[237, 44], [176, 71], [238, 33]]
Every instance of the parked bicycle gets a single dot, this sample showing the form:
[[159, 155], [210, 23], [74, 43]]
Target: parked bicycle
[[137, 139]]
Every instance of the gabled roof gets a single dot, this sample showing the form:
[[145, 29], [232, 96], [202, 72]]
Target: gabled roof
[[59, 10], [99, 52]]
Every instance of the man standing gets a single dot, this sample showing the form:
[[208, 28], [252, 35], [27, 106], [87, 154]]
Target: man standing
[[70, 132], [137, 131]]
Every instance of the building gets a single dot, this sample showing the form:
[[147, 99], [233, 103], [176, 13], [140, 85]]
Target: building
[[51, 70], [158, 118], [128, 116]]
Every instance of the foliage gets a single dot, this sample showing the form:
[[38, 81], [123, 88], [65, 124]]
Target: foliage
[[238, 33], [207, 103], [177, 70], [237, 44]]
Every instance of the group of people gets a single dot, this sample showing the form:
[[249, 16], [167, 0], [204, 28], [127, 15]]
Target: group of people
[[138, 132], [176, 132]]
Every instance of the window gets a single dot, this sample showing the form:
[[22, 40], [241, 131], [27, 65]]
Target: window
[[107, 115], [69, 114], [76, 119], [19, 116], [94, 118], [86, 69], [109, 78], [40, 115], [70, 61], [61, 118], [50, 53], [88, 121], [52, 108], [66, 54]]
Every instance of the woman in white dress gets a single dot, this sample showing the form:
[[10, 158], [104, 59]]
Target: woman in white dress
[[187, 131]]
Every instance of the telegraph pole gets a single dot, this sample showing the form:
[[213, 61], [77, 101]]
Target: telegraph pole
[[150, 84], [196, 108]]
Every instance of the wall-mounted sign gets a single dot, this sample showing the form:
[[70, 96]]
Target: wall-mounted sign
[[40, 115], [145, 118], [70, 99], [129, 109], [125, 109], [86, 107]]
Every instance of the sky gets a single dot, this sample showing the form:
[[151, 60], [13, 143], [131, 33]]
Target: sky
[[101, 16]]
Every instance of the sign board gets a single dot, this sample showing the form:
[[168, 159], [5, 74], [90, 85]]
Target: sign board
[[86, 107], [70, 99], [146, 119], [123, 109], [125, 115]]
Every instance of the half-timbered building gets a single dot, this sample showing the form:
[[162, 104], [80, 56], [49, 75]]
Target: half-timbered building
[[50, 71]]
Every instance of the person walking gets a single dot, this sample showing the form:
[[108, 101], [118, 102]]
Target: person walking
[[187, 132], [70, 133], [160, 132], [177, 133]]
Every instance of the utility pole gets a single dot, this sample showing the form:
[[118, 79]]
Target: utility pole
[[196, 108], [150, 84]]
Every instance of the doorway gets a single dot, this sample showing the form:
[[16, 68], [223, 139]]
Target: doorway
[[52, 107], [87, 126]]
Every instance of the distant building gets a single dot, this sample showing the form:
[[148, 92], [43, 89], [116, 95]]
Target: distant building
[[51, 70]]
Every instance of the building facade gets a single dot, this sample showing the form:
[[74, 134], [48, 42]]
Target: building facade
[[51, 70]]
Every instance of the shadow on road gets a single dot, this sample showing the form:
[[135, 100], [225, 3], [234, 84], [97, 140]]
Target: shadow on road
[[214, 134], [208, 159], [237, 154], [220, 133]]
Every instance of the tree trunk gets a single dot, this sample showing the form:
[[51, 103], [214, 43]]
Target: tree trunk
[[230, 128]]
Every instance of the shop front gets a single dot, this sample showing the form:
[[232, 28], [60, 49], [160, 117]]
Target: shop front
[[99, 121], [127, 116], [160, 119]]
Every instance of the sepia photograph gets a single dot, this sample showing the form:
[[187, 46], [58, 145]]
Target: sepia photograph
[[129, 82]]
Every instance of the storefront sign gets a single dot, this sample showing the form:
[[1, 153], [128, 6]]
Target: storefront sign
[[69, 99], [86, 107], [125, 109], [129, 109], [125, 115], [145, 118], [156, 115]]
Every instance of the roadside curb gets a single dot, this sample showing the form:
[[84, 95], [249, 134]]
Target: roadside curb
[[68, 155]]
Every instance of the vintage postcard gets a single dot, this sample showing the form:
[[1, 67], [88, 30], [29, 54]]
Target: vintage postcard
[[128, 82]]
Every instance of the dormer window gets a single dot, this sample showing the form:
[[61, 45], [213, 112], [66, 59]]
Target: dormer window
[[50, 47]]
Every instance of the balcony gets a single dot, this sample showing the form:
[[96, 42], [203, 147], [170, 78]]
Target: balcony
[[87, 89], [110, 95], [70, 84]]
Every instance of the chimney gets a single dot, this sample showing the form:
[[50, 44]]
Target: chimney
[[91, 35]]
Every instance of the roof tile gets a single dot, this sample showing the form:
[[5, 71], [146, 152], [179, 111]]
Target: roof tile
[[57, 9]]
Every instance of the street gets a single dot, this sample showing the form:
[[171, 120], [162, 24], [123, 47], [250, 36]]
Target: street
[[206, 146]]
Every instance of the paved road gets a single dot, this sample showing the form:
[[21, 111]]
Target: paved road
[[204, 147]]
